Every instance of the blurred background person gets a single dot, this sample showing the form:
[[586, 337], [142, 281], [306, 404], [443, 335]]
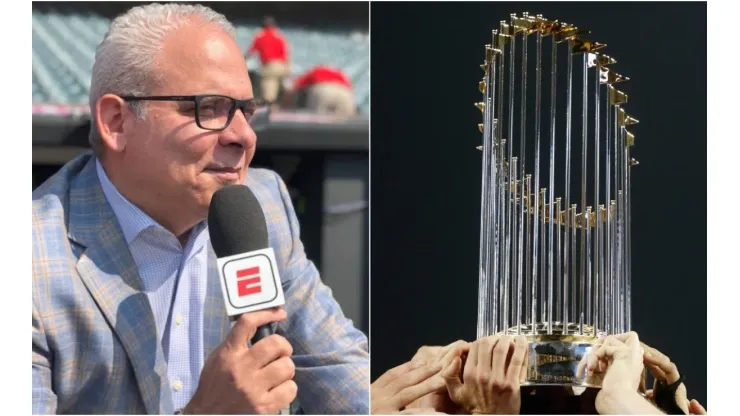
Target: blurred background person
[[324, 90], [272, 49]]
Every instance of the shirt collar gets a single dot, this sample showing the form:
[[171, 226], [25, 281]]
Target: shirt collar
[[131, 219]]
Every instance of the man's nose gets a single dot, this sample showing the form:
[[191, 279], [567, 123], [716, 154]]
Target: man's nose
[[239, 132]]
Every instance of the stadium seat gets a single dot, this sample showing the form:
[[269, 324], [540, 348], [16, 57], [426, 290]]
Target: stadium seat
[[64, 49]]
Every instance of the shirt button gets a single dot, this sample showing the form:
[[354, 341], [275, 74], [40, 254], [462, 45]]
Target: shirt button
[[177, 385], [179, 319]]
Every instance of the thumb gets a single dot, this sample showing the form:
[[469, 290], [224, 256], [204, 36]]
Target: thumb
[[451, 375], [696, 409]]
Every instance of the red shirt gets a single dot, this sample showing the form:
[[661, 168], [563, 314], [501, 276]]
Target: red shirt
[[270, 45], [322, 74]]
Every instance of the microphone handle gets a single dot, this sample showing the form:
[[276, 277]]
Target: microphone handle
[[262, 332]]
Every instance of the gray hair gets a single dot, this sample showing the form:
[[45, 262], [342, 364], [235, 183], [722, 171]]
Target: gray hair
[[125, 59]]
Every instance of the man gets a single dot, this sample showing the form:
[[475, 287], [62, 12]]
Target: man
[[327, 90], [128, 315], [273, 51]]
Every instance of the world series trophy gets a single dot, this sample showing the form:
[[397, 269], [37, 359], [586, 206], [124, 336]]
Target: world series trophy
[[555, 236]]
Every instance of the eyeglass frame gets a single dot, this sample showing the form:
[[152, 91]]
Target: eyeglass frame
[[196, 99]]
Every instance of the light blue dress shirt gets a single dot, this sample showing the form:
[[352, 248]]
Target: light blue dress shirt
[[174, 280]]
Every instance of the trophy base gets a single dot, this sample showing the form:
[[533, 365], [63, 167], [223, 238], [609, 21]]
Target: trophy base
[[554, 355]]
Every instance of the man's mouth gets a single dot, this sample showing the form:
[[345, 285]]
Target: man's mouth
[[222, 169], [224, 173]]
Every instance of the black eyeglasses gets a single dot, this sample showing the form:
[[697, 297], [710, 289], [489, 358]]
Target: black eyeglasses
[[212, 112]]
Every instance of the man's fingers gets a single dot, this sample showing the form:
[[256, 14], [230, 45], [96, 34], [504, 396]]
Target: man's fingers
[[394, 373], [658, 359], [656, 372], [500, 354], [695, 408], [606, 352], [453, 350], [414, 392], [408, 382], [458, 345], [284, 393], [590, 361], [653, 356], [525, 364], [414, 377], [472, 362], [451, 376], [598, 353], [601, 354], [270, 349], [246, 326], [584, 363], [628, 339], [631, 339], [276, 373], [485, 351], [514, 371], [426, 354]]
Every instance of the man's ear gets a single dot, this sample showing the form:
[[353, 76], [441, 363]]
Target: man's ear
[[110, 111]]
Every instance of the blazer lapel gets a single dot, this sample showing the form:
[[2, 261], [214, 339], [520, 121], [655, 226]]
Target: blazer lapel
[[216, 324], [110, 274]]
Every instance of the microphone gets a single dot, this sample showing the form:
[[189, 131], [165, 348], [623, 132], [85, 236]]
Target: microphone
[[246, 263]]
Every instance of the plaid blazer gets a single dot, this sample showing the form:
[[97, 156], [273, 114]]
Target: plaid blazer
[[95, 346]]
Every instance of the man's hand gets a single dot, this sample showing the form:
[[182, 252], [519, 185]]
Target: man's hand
[[494, 370], [663, 370], [439, 400], [621, 357], [237, 379], [400, 386]]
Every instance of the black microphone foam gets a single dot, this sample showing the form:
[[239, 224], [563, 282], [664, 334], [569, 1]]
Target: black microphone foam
[[236, 225], [236, 222]]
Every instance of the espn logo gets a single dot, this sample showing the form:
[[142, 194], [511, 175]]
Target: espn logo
[[248, 281]]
